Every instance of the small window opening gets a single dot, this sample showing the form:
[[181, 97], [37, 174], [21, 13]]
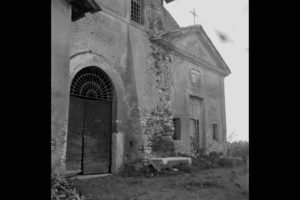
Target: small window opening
[[130, 143], [176, 134], [137, 11], [215, 132], [195, 78]]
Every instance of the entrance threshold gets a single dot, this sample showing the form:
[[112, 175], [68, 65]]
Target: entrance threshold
[[81, 177]]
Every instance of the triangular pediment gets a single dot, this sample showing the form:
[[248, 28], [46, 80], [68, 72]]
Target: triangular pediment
[[194, 41], [192, 45]]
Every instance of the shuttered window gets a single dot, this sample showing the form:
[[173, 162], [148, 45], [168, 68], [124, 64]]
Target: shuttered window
[[177, 132], [215, 132]]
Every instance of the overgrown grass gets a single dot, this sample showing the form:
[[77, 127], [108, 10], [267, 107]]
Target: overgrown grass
[[193, 185], [214, 160], [240, 180], [149, 171], [212, 184], [237, 155]]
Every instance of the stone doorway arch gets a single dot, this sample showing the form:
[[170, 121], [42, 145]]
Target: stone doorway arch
[[90, 122]]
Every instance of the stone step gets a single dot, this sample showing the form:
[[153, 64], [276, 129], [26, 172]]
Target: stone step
[[82, 177], [168, 162]]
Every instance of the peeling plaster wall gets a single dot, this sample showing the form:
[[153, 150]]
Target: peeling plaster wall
[[102, 34], [60, 23], [125, 48], [214, 113]]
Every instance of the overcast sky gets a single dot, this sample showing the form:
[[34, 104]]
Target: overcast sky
[[230, 18]]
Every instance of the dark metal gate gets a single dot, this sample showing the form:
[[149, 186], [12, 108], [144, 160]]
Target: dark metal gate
[[89, 128]]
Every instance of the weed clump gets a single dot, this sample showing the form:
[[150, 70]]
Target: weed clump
[[63, 190], [214, 160], [137, 168], [194, 185], [148, 170]]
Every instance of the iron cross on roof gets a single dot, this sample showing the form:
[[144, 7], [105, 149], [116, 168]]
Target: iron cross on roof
[[194, 13]]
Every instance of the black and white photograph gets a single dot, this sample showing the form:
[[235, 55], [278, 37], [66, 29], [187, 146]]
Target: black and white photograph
[[149, 100]]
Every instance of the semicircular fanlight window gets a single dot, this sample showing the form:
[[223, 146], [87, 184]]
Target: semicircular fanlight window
[[92, 83]]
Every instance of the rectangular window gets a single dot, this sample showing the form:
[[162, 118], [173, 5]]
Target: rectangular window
[[195, 106], [177, 134], [137, 11], [215, 132]]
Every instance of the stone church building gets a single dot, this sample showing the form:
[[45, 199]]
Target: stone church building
[[113, 59]]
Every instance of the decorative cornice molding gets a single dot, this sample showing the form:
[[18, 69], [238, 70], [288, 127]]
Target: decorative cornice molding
[[214, 52], [204, 39], [188, 57]]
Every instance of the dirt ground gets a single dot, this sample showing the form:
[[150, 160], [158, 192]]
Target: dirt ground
[[212, 184]]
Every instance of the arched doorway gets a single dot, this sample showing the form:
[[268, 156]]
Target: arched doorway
[[90, 120]]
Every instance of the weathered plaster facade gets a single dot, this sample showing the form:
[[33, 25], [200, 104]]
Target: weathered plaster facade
[[60, 32], [123, 49], [194, 52]]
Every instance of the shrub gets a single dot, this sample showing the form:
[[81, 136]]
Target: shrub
[[239, 149], [137, 169], [213, 160], [225, 162], [201, 163], [162, 146], [147, 171]]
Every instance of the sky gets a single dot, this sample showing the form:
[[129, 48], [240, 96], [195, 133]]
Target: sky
[[231, 19]]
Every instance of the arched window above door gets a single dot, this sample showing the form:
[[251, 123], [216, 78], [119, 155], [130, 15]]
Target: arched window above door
[[92, 83]]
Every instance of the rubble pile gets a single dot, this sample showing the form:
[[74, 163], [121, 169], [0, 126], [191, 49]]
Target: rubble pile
[[62, 190]]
